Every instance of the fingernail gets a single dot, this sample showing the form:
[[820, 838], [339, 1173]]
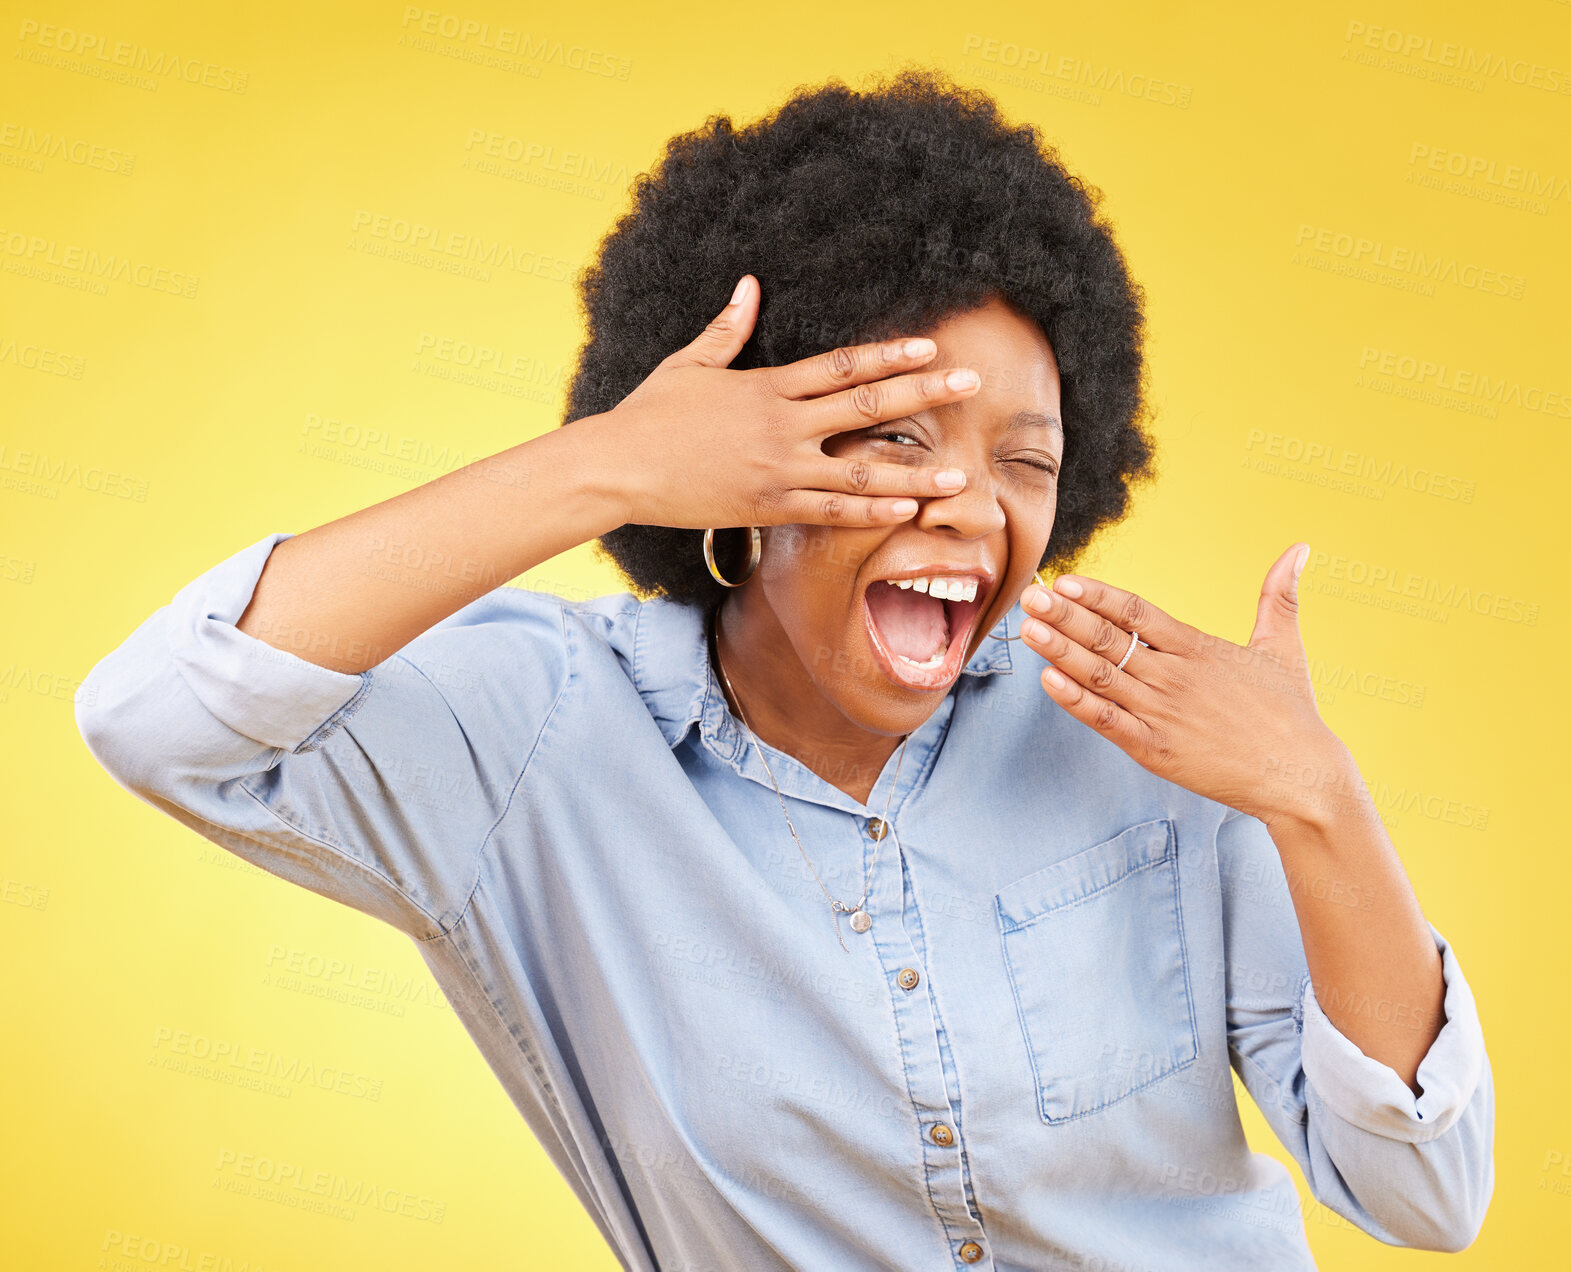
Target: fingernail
[[961, 378], [741, 289], [950, 478], [1298, 566], [918, 348], [903, 507], [1038, 598], [1069, 587]]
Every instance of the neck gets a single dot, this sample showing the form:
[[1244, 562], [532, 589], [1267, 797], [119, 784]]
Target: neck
[[784, 708]]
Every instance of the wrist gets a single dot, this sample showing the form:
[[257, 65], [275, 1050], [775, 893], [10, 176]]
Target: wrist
[[606, 487], [1315, 790]]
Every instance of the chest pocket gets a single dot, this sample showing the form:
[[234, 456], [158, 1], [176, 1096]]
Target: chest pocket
[[1094, 946]]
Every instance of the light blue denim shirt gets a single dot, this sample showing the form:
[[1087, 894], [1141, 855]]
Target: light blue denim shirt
[[1025, 1063]]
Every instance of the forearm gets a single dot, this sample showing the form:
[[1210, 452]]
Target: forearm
[[1372, 959], [350, 593]]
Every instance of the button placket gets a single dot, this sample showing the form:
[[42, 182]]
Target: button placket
[[952, 1080], [917, 1025]]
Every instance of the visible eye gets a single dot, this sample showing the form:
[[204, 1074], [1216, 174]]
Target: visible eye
[[892, 434]]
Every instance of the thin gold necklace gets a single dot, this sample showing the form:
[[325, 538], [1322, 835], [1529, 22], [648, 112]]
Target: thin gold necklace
[[860, 919]]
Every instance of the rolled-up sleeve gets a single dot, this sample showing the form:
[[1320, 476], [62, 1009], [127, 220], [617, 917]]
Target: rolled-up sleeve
[[1411, 1170], [1370, 1095], [375, 789]]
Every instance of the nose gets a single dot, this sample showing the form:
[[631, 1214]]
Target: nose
[[969, 513]]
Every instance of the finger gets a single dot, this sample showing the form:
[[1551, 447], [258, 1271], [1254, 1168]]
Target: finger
[[1095, 670], [870, 477], [1132, 613], [864, 404], [1276, 613], [837, 508], [1091, 708], [1091, 631], [722, 339], [851, 364]]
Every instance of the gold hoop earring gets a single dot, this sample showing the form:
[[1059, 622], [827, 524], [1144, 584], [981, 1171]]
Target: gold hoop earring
[[754, 552]]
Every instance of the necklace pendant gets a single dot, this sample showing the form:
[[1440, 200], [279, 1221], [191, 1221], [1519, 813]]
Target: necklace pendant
[[861, 920]]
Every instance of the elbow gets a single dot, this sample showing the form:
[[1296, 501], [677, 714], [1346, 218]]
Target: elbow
[[1446, 1213], [129, 720], [1467, 1219], [1456, 1243], [1445, 1221], [148, 730], [1421, 1194], [1454, 1232], [100, 725], [1475, 1169]]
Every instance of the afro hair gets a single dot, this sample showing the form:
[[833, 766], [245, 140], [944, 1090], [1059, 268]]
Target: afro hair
[[866, 215]]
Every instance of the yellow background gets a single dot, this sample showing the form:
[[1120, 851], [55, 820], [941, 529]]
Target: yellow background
[[274, 396]]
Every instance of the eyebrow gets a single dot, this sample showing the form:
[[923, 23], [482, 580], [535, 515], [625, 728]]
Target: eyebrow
[[1020, 420], [1035, 419]]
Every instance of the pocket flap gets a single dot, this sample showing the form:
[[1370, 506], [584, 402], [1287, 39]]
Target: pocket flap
[[1084, 874]]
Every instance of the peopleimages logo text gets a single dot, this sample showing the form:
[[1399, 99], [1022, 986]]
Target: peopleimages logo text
[[1400, 259]]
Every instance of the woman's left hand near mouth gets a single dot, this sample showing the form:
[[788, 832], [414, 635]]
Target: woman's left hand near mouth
[[1234, 723]]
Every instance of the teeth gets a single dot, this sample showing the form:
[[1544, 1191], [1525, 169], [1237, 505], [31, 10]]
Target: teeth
[[928, 664], [945, 587]]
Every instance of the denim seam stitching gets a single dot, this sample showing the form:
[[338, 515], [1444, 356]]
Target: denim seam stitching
[[313, 740], [534, 750], [903, 1049], [1299, 1116], [1086, 896], [1168, 858], [1020, 1014], [1097, 1108], [339, 853], [524, 1045], [927, 984], [1183, 943], [469, 891]]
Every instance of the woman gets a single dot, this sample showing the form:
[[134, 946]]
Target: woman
[[840, 898]]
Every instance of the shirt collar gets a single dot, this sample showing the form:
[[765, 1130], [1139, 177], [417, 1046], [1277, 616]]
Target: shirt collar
[[672, 673]]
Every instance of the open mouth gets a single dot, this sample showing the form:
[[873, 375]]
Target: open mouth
[[921, 626]]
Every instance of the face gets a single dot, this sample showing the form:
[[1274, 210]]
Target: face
[[825, 585]]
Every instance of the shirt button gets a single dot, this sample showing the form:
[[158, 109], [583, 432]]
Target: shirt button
[[941, 1135], [970, 1252], [908, 978], [877, 828]]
